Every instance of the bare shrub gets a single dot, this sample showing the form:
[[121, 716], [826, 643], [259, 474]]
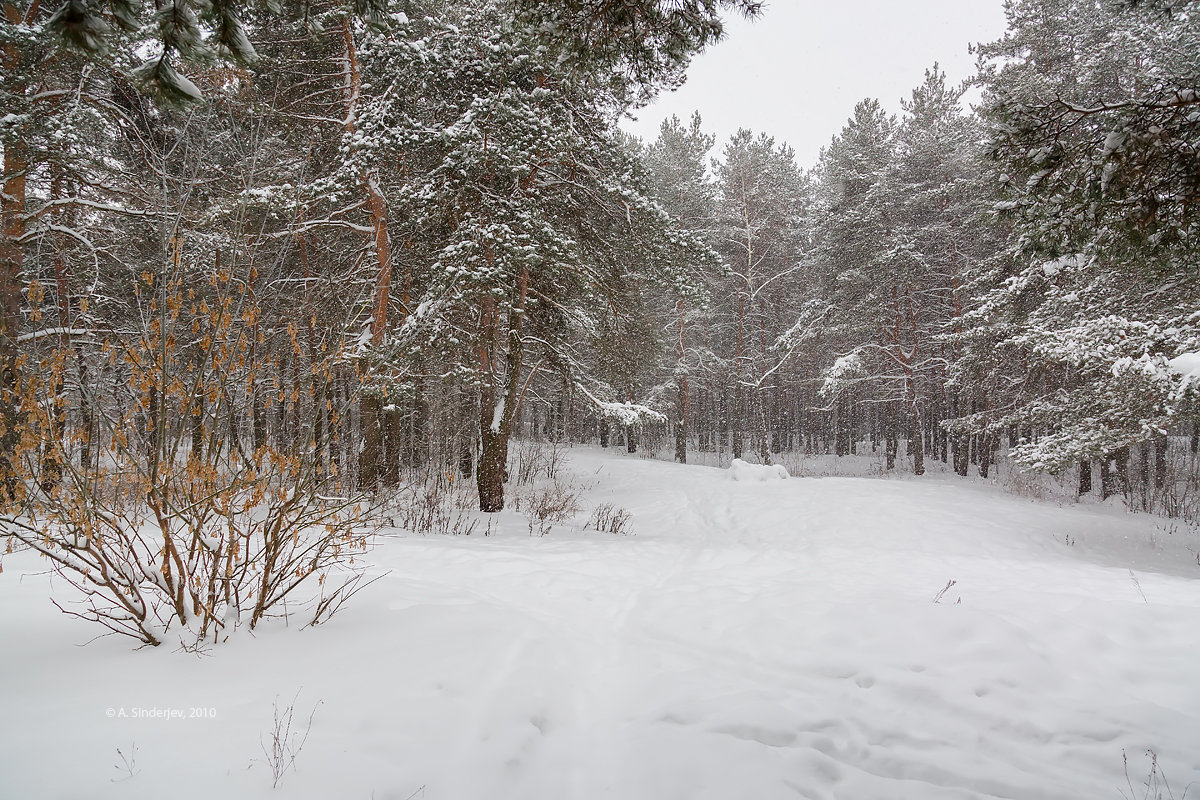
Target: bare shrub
[[1155, 785], [547, 506], [530, 461], [937, 598], [165, 518], [436, 504], [126, 763], [281, 745], [202, 567], [608, 518], [1024, 484], [328, 604], [1179, 495], [653, 440]]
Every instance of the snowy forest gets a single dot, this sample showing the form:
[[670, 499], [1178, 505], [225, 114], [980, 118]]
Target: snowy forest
[[305, 252], [288, 287], [327, 246]]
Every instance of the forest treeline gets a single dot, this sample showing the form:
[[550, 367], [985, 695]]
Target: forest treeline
[[258, 252]]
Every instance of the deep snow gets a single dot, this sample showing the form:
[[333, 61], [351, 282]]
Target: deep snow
[[750, 640]]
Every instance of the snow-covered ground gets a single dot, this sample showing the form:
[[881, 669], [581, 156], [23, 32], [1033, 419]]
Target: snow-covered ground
[[749, 640]]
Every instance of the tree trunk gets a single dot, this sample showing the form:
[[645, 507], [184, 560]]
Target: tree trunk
[[736, 420], [393, 435], [319, 424], [375, 203], [1122, 458], [760, 432], [1160, 461], [1085, 477], [12, 227], [1144, 457], [490, 474], [681, 400], [916, 441], [372, 439], [985, 455], [891, 436], [197, 453], [496, 410]]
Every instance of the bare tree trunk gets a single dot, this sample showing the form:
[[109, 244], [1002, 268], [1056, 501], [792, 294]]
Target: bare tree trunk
[[735, 422], [319, 424], [466, 455], [890, 436], [985, 455], [372, 438], [1122, 458], [1160, 461], [497, 408], [393, 435], [12, 227], [1145, 455], [1085, 476], [760, 433], [916, 441], [375, 203], [681, 401]]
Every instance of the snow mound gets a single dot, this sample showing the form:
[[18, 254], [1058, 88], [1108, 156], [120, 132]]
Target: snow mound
[[745, 471], [1187, 365]]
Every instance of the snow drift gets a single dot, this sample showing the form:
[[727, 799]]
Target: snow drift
[[745, 471]]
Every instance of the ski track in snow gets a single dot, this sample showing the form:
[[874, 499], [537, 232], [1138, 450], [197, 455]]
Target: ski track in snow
[[751, 640]]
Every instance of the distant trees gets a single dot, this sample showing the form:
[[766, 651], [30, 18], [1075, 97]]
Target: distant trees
[[948, 282]]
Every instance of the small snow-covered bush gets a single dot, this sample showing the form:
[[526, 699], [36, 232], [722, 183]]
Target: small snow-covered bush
[[745, 471]]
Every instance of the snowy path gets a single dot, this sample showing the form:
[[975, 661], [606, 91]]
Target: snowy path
[[752, 640]]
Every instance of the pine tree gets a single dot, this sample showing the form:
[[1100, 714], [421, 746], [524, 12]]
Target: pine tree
[[676, 162], [860, 322], [759, 193], [533, 212], [1092, 114]]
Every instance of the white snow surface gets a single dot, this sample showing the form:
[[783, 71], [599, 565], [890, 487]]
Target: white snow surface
[[740, 470], [759, 640], [1187, 365]]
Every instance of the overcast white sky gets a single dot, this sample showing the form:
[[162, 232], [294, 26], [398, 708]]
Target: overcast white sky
[[797, 72]]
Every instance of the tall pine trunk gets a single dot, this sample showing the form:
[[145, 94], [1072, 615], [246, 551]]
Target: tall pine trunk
[[681, 401], [12, 227], [369, 408], [371, 417], [498, 398]]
